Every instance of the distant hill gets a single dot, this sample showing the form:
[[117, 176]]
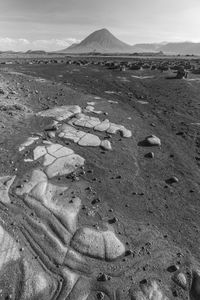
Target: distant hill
[[99, 41], [35, 52]]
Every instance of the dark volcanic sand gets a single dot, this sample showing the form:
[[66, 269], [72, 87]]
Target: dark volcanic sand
[[158, 221]]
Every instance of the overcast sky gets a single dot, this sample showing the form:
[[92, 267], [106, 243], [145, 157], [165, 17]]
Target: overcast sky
[[55, 24]]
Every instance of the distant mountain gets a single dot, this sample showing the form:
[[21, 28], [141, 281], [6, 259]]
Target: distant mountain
[[146, 47], [183, 48], [102, 41], [99, 41]]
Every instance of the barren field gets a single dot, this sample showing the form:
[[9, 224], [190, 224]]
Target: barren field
[[100, 183]]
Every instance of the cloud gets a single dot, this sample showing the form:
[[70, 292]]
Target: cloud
[[21, 44]]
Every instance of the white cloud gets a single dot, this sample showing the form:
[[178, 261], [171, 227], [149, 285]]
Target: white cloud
[[21, 44]]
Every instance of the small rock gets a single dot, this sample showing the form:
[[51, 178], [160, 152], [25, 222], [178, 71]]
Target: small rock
[[113, 220], [172, 268], [149, 155], [171, 180], [181, 280], [103, 277], [100, 295], [153, 140]]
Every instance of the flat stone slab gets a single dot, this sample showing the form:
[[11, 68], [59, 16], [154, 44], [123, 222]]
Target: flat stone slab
[[61, 113]]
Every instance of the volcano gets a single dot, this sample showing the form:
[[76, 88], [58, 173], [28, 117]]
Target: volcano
[[102, 41]]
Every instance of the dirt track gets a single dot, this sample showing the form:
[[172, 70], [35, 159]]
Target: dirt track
[[158, 221]]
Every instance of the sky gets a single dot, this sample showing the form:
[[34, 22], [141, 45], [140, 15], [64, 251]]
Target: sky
[[55, 24]]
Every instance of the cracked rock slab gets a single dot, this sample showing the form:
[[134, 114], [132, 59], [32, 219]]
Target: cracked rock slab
[[57, 159], [82, 138], [64, 165], [98, 244], [95, 123]]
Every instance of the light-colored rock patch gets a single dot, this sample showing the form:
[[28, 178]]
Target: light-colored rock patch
[[153, 140], [51, 196], [8, 248], [28, 142], [150, 292], [61, 113], [98, 244], [64, 165], [91, 108], [82, 138], [95, 123], [5, 184], [57, 159]]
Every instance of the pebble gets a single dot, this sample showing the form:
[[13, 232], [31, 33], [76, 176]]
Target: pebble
[[153, 140], [100, 295], [150, 155], [103, 277], [172, 179], [172, 268]]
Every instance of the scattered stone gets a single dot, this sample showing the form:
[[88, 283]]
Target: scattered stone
[[103, 277], [105, 144], [172, 268], [149, 155], [100, 296], [153, 140], [2, 91], [90, 108], [172, 180]]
